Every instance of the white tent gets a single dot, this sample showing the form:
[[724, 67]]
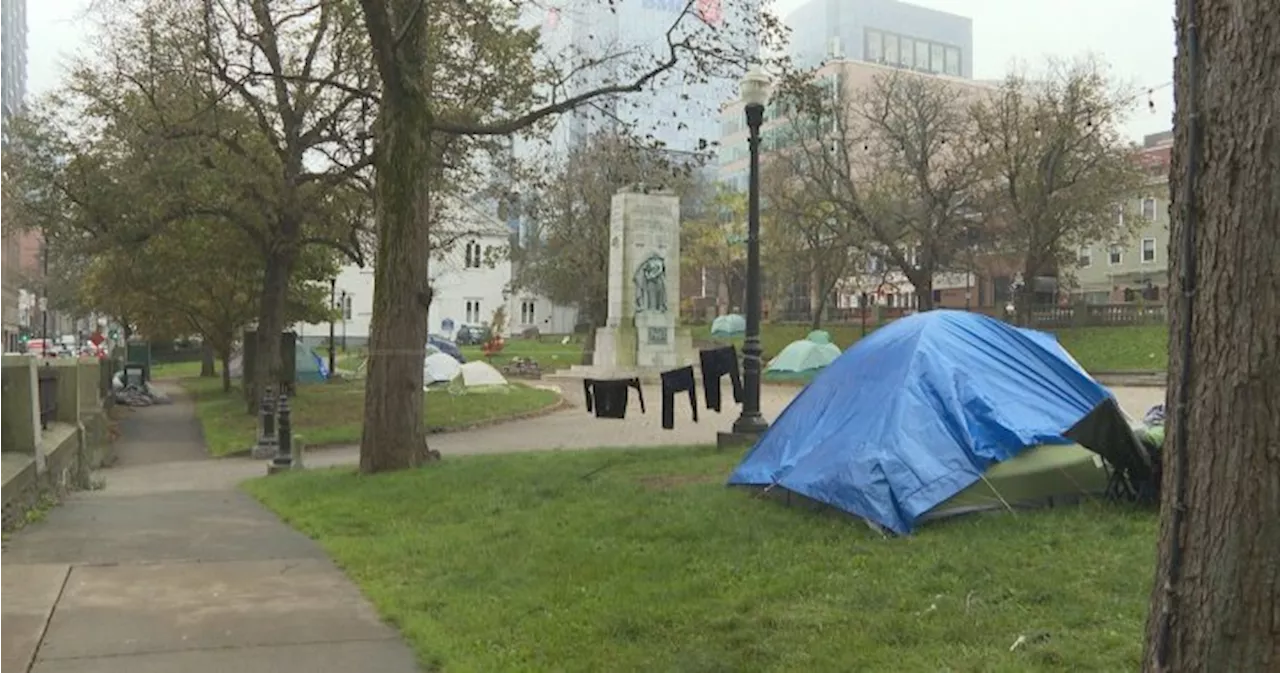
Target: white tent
[[479, 373], [439, 367]]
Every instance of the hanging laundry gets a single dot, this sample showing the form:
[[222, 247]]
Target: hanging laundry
[[608, 398], [716, 363], [677, 381]]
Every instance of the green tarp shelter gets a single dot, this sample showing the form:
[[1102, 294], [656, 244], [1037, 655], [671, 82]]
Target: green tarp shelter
[[730, 325], [802, 360], [1046, 475]]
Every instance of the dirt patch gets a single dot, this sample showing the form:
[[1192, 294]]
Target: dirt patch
[[666, 482]]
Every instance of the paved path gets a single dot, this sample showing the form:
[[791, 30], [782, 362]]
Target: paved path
[[191, 577], [170, 568]]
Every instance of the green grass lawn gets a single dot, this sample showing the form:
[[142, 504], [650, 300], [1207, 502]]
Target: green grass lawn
[[1136, 347], [550, 354], [331, 413], [1100, 349], [642, 560], [176, 370]]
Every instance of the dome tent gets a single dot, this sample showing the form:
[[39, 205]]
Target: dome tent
[[730, 325], [480, 373], [802, 360], [439, 368], [945, 412]]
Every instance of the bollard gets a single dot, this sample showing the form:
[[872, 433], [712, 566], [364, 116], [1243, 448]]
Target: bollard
[[284, 446], [266, 447]]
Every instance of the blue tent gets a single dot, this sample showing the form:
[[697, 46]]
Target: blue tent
[[920, 410], [309, 367]]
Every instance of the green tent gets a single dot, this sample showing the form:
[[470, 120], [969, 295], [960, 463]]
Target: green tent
[[1049, 475], [802, 360], [729, 326], [1045, 475]]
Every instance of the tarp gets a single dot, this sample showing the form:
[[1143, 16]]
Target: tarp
[[439, 368], [480, 373], [803, 359], [920, 409], [309, 366], [437, 344], [729, 325]]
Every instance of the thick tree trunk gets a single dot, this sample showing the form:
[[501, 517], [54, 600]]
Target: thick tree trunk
[[394, 435], [271, 312], [226, 371], [1217, 607], [206, 360], [923, 283]]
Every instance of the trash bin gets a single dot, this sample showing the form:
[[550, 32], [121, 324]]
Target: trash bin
[[135, 374], [47, 380]]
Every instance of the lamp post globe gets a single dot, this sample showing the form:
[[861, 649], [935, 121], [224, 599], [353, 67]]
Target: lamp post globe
[[754, 92]]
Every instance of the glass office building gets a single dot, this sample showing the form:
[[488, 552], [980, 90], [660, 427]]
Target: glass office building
[[888, 32]]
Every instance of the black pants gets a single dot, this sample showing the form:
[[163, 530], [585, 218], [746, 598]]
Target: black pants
[[677, 381], [608, 398], [715, 364]]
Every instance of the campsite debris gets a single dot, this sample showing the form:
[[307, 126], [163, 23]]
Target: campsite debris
[[522, 368], [1033, 639], [136, 394]]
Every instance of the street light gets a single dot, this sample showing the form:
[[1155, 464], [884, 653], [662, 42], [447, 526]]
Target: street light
[[754, 92], [333, 302]]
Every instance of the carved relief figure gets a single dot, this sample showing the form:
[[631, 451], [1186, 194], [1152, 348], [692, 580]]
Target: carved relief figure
[[651, 284]]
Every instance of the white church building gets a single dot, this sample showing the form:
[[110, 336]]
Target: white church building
[[471, 279]]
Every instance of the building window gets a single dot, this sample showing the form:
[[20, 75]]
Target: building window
[[922, 55], [1118, 209], [937, 54], [1084, 258], [891, 49], [953, 61], [527, 312], [1115, 255], [1149, 208], [1148, 250], [875, 46], [346, 306], [474, 255], [473, 311]]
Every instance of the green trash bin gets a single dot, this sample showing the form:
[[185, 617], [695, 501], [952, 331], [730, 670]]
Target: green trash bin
[[137, 355]]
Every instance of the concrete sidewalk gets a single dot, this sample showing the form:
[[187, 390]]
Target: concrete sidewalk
[[189, 576]]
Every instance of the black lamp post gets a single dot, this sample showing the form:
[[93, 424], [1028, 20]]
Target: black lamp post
[[754, 93], [333, 303]]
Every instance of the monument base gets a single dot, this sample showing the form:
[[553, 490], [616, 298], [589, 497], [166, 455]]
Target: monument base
[[627, 351]]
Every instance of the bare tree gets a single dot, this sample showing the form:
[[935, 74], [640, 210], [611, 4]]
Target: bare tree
[[808, 241], [1216, 595], [1058, 167], [450, 68], [895, 161]]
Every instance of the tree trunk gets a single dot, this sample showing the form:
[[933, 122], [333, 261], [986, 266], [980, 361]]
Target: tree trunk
[[206, 360], [394, 435], [923, 283], [226, 371], [271, 312], [1221, 597]]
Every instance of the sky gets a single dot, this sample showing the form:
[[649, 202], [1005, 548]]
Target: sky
[[1135, 36]]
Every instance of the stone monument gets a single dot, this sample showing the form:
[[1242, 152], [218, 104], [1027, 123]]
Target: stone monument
[[642, 334]]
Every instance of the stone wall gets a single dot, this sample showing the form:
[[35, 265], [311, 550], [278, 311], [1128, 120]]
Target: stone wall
[[45, 460]]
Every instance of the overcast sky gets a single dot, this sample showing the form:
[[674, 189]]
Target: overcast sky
[[1135, 36]]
